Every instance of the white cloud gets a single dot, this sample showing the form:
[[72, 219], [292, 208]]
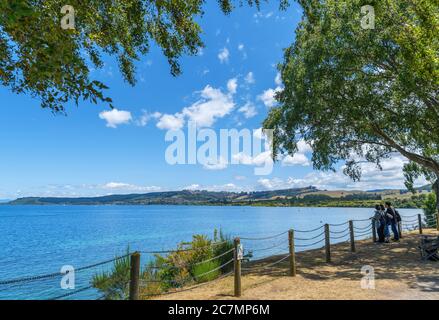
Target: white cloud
[[224, 55], [231, 187], [391, 177], [258, 160], [143, 120], [249, 110], [115, 117], [192, 187], [271, 184], [213, 104], [171, 122], [241, 47], [250, 78], [299, 158], [278, 79], [232, 85], [216, 164], [262, 15], [268, 97]]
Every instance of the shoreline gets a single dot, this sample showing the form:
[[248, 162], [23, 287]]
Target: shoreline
[[204, 205]]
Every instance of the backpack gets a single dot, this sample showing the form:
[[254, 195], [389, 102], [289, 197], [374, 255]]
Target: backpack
[[397, 215]]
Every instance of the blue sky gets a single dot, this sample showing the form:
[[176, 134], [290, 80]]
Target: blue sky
[[93, 152]]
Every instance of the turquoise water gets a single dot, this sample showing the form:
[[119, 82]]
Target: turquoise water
[[38, 240]]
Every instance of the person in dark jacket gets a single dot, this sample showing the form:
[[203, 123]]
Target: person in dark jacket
[[386, 226], [392, 220]]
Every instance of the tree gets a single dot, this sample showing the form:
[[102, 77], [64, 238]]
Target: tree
[[429, 208], [360, 95], [40, 58]]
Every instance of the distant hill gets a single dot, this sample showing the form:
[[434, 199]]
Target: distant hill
[[170, 197], [309, 196]]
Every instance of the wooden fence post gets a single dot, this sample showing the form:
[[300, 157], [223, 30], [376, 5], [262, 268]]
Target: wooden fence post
[[292, 253], [374, 231], [237, 268], [327, 243], [134, 276], [352, 235], [420, 223]]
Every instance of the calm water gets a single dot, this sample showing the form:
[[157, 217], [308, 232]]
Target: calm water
[[38, 240]]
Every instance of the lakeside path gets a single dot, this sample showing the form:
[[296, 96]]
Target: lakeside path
[[399, 274]]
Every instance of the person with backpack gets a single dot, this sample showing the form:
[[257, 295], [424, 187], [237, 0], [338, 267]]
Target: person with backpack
[[392, 220], [380, 223]]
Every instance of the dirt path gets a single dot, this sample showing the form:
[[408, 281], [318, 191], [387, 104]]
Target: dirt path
[[399, 274]]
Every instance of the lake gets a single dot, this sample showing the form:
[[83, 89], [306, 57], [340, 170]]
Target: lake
[[37, 240]]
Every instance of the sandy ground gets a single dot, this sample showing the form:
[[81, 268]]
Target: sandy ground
[[399, 274]]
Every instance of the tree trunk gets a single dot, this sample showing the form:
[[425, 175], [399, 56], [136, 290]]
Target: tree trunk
[[436, 191]]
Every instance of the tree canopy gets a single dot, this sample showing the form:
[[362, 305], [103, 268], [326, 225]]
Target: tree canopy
[[360, 94], [40, 58]]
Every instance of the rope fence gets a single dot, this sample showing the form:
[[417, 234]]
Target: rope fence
[[234, 260]]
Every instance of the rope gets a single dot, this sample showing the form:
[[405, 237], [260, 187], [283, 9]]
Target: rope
[[306, 231], [338, 225], [410, 221], [362, 229], [309, 244], [184, 250], [315, 237], [362, 234], [57, 274], [265, 238], [188, 289], [280, 251], [340, 237], [268, 265], [196, 276], [361, 220], [338, 232], [268, 248], [101, 263], [72, 293], [189, 265], [404, 216]]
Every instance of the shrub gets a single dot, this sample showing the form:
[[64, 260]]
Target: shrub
[[205, 271], [179, 268], [429, 208], [114, 284]]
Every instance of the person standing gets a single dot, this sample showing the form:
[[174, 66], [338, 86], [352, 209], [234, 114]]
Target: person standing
[[385, 223], [392, 220], [379, 223]]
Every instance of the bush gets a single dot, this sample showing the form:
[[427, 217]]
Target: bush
[[114, 284], [204, 272], [429, 208], [180, 268]]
